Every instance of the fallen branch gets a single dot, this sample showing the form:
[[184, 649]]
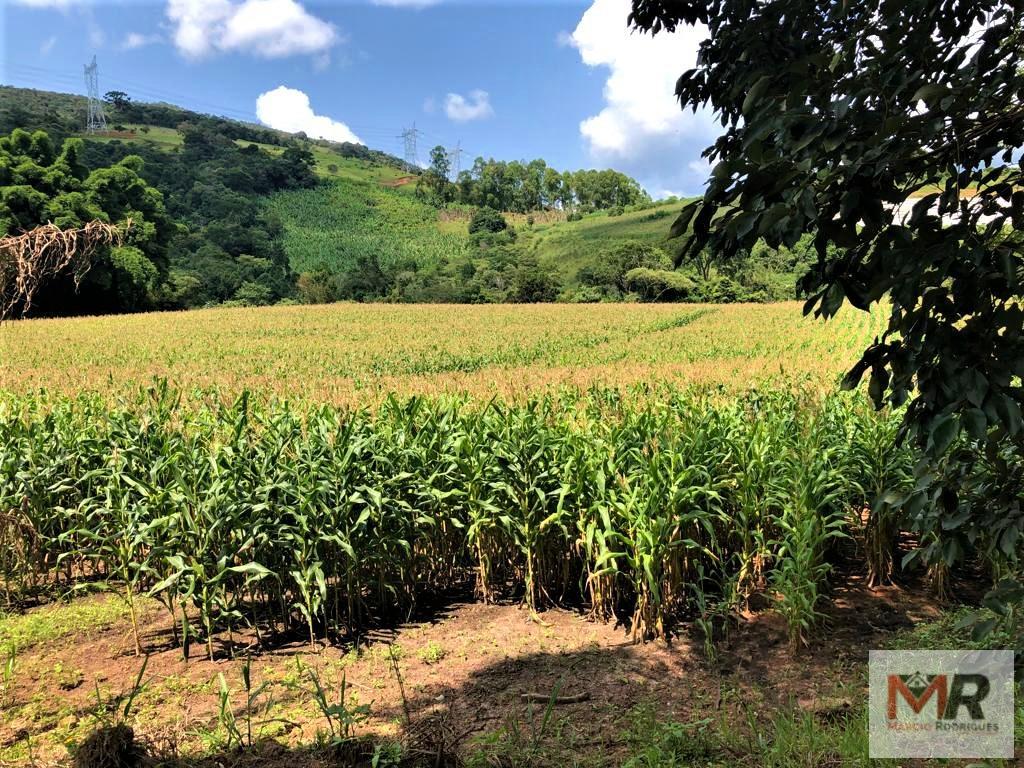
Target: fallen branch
[[30, 259]]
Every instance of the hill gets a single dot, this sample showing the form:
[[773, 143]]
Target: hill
[[266, 216]]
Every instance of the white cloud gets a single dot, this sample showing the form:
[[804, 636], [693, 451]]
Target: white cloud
[[267, 28], [288, 109], [47, 45], [134, 40], [462, 109], [642, 130]]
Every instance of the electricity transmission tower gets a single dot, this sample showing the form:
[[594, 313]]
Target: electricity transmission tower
[[97, 118], [410, 135], [455, 156]]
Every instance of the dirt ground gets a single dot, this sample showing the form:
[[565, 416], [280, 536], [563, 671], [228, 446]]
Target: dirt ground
[[466, 663]]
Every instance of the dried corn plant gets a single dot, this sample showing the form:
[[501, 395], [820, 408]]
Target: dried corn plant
[[29, 260]]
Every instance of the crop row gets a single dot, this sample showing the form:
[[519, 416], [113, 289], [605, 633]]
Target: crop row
[[649, 508]]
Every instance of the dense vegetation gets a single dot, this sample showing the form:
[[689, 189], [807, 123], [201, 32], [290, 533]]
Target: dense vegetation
[[243, 514], [226, 247], [217, 244], [521, 187], [39, 186], [835, 117], [261, 217], [649, 509]]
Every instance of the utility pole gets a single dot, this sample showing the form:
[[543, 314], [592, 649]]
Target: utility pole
[[97, 120], [410, 136], [455, 156]]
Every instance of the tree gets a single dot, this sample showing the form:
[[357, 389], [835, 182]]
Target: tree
[[659, 284], [436, 177], [533, 283], [117, 99], [487, 220], [888, 130], [609, 271], [38, 187], [440, 163]]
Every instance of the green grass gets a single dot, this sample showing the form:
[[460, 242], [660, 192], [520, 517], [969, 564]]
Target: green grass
[[160, 138], [570, 245], [59, 620]]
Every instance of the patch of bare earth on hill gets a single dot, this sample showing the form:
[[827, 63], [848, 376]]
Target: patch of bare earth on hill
[[473, 669]]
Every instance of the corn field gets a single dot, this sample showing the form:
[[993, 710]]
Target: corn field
[[357, 354], [648, 507]]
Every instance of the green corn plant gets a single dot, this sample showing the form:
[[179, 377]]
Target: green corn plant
[[811, 518], [7, 671], [886, 475], [226, 715], [233, 734], [342, 718]]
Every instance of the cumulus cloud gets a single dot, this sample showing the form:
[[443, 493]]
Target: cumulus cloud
[[288, 109], [462, 109], [267, 28], [641, 130], [47, 45]]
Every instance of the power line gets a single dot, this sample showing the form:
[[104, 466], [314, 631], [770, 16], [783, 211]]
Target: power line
[[97, 120]]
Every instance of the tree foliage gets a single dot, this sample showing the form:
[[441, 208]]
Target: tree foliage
[[38, 186], [891, 131], [117, 99], [228, 242], [521, 187], [487, 220], [659, 284]]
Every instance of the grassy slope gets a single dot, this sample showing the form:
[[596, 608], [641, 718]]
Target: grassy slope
[[569, 245], [358, 215]]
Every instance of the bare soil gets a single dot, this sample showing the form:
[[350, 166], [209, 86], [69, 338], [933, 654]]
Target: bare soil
[[467, 663]]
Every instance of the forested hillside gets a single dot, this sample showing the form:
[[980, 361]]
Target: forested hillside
[[249, 215]]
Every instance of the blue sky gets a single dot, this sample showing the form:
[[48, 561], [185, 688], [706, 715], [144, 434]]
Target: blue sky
[[561, 79]]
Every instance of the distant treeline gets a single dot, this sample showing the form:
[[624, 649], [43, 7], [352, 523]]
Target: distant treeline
[[521, 187]]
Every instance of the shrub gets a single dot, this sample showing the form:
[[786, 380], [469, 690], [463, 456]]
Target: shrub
[[533, 283], [487, 220], [659, 284], [609, 273]]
